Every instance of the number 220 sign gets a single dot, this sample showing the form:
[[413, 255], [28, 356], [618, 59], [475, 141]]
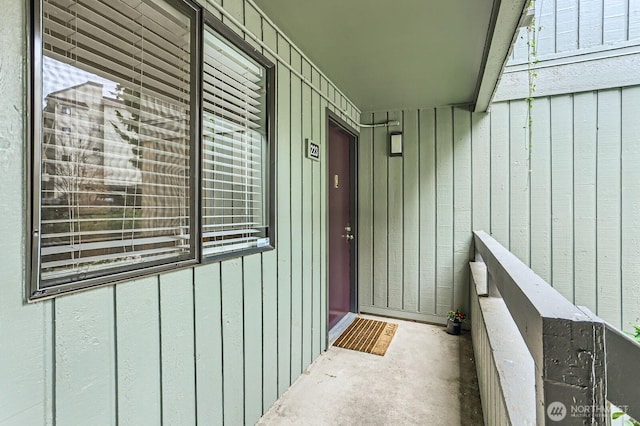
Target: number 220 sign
[[313, 150]]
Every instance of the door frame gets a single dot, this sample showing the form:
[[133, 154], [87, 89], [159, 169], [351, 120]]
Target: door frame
[[334, 119]]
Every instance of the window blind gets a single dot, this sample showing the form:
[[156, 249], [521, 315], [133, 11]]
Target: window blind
[[234, 194], [115, 143]]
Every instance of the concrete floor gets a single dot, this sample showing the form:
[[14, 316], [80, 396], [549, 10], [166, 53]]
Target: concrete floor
[[427, 377]]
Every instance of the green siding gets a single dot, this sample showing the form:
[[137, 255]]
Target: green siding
[[562, 194], [284, 217], [568, 26], [323, 218], [365, 213], [541, 189], [221, 342], [235, 8], [630, 221], [608, 206], [84, 351], [427, 166], [215, 343], [411, 210], [444, 210], [316, 212], [232, 341], [177, 347], [252, 338], [519, 219], [585, 167], [307, 231], [208, 312], [269, 330], [138, 345], [297, 157], [499, 173], [26, 372], [395, 222], [379, 213], [571, 214], [481, 167], [462, 199]]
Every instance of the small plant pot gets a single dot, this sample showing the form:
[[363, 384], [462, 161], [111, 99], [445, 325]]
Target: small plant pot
[[454, 327]]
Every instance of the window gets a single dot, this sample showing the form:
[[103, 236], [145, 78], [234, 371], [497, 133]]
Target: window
[[235, 114], [115, 183], [131, 69]]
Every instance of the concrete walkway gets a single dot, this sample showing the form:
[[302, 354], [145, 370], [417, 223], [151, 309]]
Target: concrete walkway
[[427, 377]]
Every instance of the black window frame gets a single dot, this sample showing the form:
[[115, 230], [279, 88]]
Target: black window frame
[[34, 289], [201, 18], [228, 34]]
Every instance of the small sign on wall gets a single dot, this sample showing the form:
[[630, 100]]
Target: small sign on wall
[[313, 150]]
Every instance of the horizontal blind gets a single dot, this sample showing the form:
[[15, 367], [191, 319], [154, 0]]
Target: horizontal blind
[[115, 146], [234, 148]]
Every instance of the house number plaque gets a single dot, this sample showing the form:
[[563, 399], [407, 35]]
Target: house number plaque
[[313, 150]]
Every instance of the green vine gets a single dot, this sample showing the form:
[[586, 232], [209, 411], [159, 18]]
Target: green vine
[[636, 332], [627, 420], [532, 61]]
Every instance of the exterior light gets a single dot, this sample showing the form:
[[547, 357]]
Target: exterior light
[[395, 144]]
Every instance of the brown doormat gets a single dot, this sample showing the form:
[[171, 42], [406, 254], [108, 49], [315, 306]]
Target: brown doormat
[[365, 335]]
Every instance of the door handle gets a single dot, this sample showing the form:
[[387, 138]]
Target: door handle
[[349, 235]]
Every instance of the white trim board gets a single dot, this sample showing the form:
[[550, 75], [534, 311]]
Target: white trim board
[[573, 77], [580, 55]]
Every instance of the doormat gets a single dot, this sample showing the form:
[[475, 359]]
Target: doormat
[[365, 335]]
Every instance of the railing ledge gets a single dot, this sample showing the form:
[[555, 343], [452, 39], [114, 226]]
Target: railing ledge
[[566, 343]]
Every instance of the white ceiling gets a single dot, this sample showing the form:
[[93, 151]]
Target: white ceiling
[[393, 54]]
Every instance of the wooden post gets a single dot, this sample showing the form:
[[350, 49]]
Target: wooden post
[[571, 376], [566, 342]]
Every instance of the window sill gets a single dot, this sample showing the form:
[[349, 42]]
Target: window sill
[[235, 254], [107, 280]]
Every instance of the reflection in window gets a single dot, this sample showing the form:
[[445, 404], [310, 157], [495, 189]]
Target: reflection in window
[[115, 182]]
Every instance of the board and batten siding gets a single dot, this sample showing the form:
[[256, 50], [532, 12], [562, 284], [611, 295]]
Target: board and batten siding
[[580, 46], [214, 344], [565, 27], [574, 218]]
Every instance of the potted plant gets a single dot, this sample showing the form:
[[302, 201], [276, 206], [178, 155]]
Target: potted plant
[[454, 321], [636, 333]]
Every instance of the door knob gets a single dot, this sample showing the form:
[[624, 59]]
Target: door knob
[[348, 237]]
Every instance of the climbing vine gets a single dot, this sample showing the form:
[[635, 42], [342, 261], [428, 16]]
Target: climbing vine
[[532, 61]]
